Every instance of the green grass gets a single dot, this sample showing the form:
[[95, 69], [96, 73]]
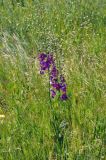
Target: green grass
[[35, 128]]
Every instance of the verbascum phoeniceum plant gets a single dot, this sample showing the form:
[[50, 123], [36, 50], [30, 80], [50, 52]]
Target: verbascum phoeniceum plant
[[56, 80], [57, 88]]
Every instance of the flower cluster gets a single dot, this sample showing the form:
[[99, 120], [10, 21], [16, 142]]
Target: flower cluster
[[57, 82]]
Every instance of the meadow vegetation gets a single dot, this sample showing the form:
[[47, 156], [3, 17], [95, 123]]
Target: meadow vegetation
[[33, 126]]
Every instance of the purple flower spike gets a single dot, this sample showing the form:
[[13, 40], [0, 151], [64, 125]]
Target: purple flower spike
[[57, 81], [53, 93], [64, 97]]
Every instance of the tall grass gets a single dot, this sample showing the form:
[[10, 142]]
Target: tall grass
[[33, 127]]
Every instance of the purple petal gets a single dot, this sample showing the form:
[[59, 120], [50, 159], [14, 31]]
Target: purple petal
[[54, 72], [56, 86], [64, 97], [42, 56], [44, 65], [63, 87], [53, 93]]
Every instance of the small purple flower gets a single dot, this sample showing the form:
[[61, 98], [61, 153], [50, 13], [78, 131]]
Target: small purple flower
[[44, 65], [42, 56], [46, 60], [56, 86], [64, 97], [54, 71], [53, 79], [53, 93], [63, 87]]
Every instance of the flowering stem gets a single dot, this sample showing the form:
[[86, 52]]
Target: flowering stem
[[49, 89]]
